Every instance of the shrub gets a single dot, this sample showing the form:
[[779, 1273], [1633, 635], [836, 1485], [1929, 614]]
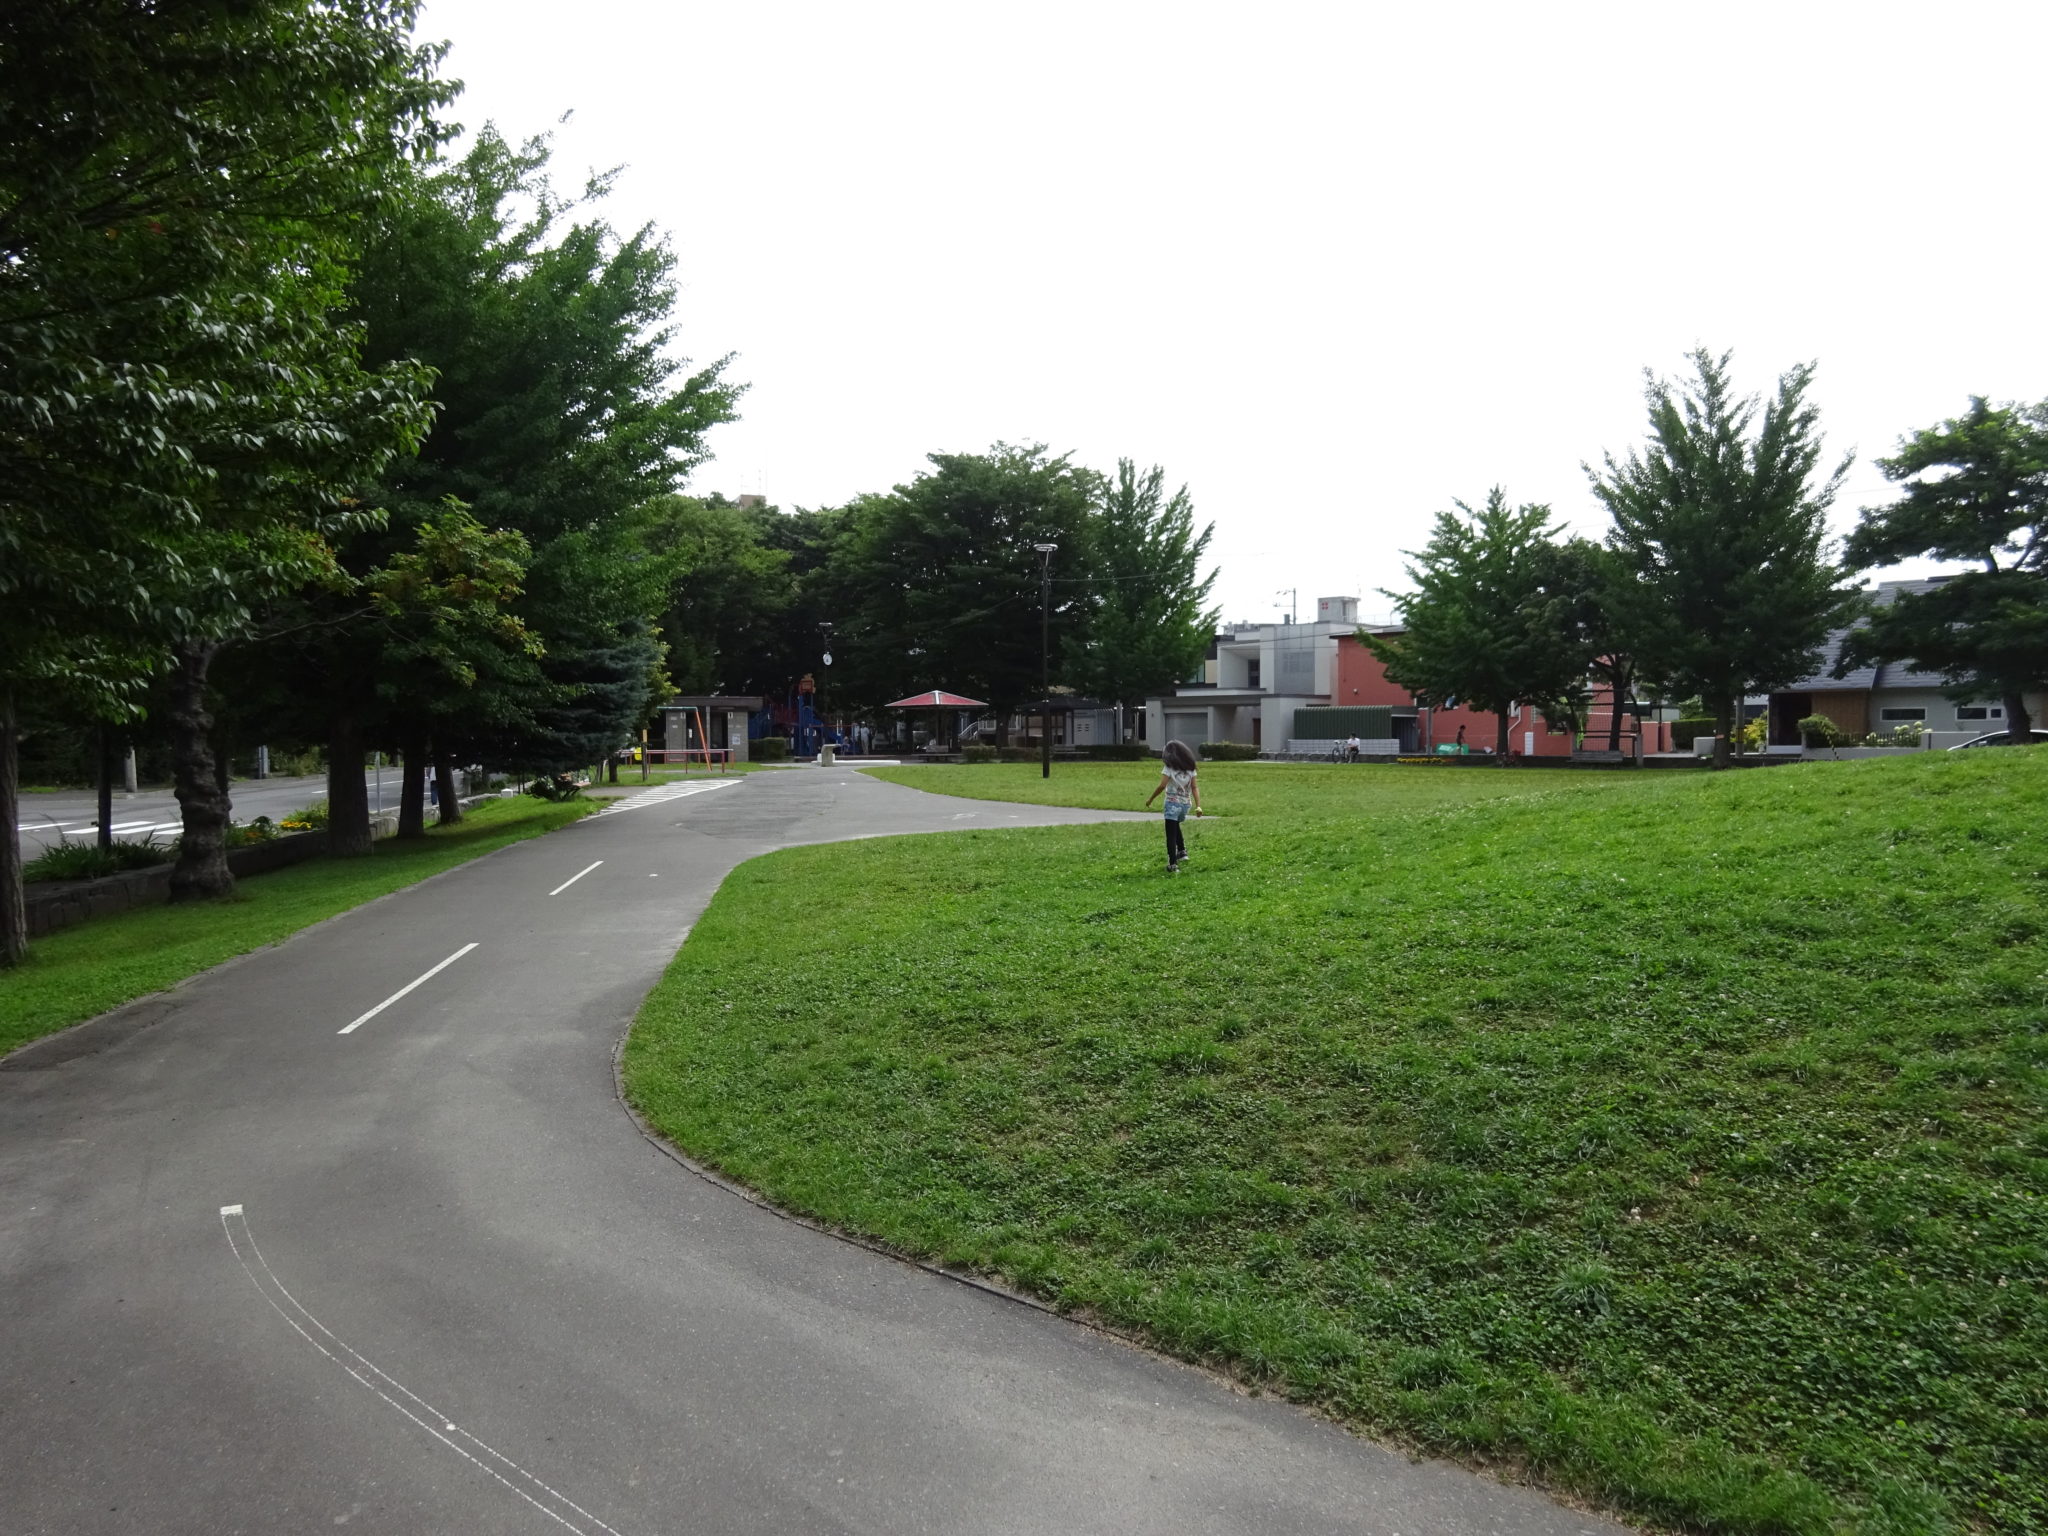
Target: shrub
[[769, 749], [1228, 751], [557, 786], [1118, 752], [312, 818], [1683, 731], [261, 830], [978, 754], [1020, 754], [1820, 731], [89, 861]]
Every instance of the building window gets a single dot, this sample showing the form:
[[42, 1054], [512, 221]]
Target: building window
[[1980, 711], [1251, 673], [1142, 716], [1898, 716]]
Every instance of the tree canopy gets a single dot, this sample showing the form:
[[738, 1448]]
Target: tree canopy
[[1720, 521], [180, 420], [1973, 488], [1152, 622], [937, 583], [1489, 620]]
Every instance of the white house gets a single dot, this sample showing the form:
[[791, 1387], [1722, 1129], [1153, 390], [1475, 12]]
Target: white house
[[1255, 677]]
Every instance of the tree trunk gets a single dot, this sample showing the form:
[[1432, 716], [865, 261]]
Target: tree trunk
[[13, 915], [1501, 735], [412, 788], [1618, 681], [105, 801], [444, 789], [1723, 716], [201, 873], [2017, 721], [348, 796]]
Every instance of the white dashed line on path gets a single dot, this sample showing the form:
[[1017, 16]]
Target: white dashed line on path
[[348, 1029], [574, 878]]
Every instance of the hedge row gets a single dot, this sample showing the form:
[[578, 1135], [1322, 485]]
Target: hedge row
[[1228, 751]]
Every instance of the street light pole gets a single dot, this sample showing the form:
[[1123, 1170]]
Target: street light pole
[[825, 720], [1045, 554]]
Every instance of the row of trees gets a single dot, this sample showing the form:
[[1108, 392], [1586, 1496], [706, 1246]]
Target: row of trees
[[1716, 579], [938, 584], [309, 434], [313, 436]]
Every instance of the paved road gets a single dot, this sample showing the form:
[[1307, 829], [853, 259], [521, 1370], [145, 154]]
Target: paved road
[[71, 814], [274, 1260]]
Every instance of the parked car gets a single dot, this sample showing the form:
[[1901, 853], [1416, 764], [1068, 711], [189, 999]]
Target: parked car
[[2002, 739]]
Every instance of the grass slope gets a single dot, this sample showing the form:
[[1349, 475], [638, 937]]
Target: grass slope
[[83, 971], [1677, 1137]]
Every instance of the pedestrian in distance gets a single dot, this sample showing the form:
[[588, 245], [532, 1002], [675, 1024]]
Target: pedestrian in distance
[[1351, 748], [1183, 794]]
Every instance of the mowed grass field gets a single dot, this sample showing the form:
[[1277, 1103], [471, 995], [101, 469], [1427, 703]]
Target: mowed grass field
[[1676, 1139], [83, 971]]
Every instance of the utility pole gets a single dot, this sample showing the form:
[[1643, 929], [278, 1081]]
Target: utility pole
[[1045, 554]]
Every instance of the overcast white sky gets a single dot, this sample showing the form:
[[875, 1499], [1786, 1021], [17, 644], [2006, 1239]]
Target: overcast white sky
[[1331, 265]]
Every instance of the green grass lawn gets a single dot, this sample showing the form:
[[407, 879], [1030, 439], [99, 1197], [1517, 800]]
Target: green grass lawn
[[85, 970], [1677, 1138]]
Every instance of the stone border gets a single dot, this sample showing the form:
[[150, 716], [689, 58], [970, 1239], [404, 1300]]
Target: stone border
[[52, 905]]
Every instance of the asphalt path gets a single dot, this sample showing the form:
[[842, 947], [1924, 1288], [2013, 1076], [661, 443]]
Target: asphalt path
[[353, 1233], [72, 814]]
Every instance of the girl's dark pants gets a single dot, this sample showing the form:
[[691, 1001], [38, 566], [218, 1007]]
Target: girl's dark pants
[[1176, 850]]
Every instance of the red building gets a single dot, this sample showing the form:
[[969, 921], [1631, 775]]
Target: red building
[[1360, 680]]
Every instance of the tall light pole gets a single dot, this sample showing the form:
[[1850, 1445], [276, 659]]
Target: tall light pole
[[1045, 554], [825, 627]]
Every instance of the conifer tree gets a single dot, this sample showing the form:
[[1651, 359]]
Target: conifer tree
[[1720, 521]]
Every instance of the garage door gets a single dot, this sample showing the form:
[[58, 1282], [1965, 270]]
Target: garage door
[[1190, 726]]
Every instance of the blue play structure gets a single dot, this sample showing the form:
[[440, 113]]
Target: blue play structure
[[795, 718]]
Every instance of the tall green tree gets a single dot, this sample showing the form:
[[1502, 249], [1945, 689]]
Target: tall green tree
[[1152, 622], [1592, 584], [562, 416], [1720, 519], [938, 583], [175, 181], [1489, 621], [1974, 488]]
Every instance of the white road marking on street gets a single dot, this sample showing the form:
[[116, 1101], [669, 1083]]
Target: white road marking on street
[[573, 879], [449, 1427], [394, 997]]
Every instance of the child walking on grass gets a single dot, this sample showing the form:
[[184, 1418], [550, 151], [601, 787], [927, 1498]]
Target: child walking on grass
[[1183, 794]]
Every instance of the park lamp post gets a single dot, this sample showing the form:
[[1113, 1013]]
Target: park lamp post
[[1045, 554], [825, 720]]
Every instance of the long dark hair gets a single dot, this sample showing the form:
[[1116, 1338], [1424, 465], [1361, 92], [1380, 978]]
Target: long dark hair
[[1175, 755]]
